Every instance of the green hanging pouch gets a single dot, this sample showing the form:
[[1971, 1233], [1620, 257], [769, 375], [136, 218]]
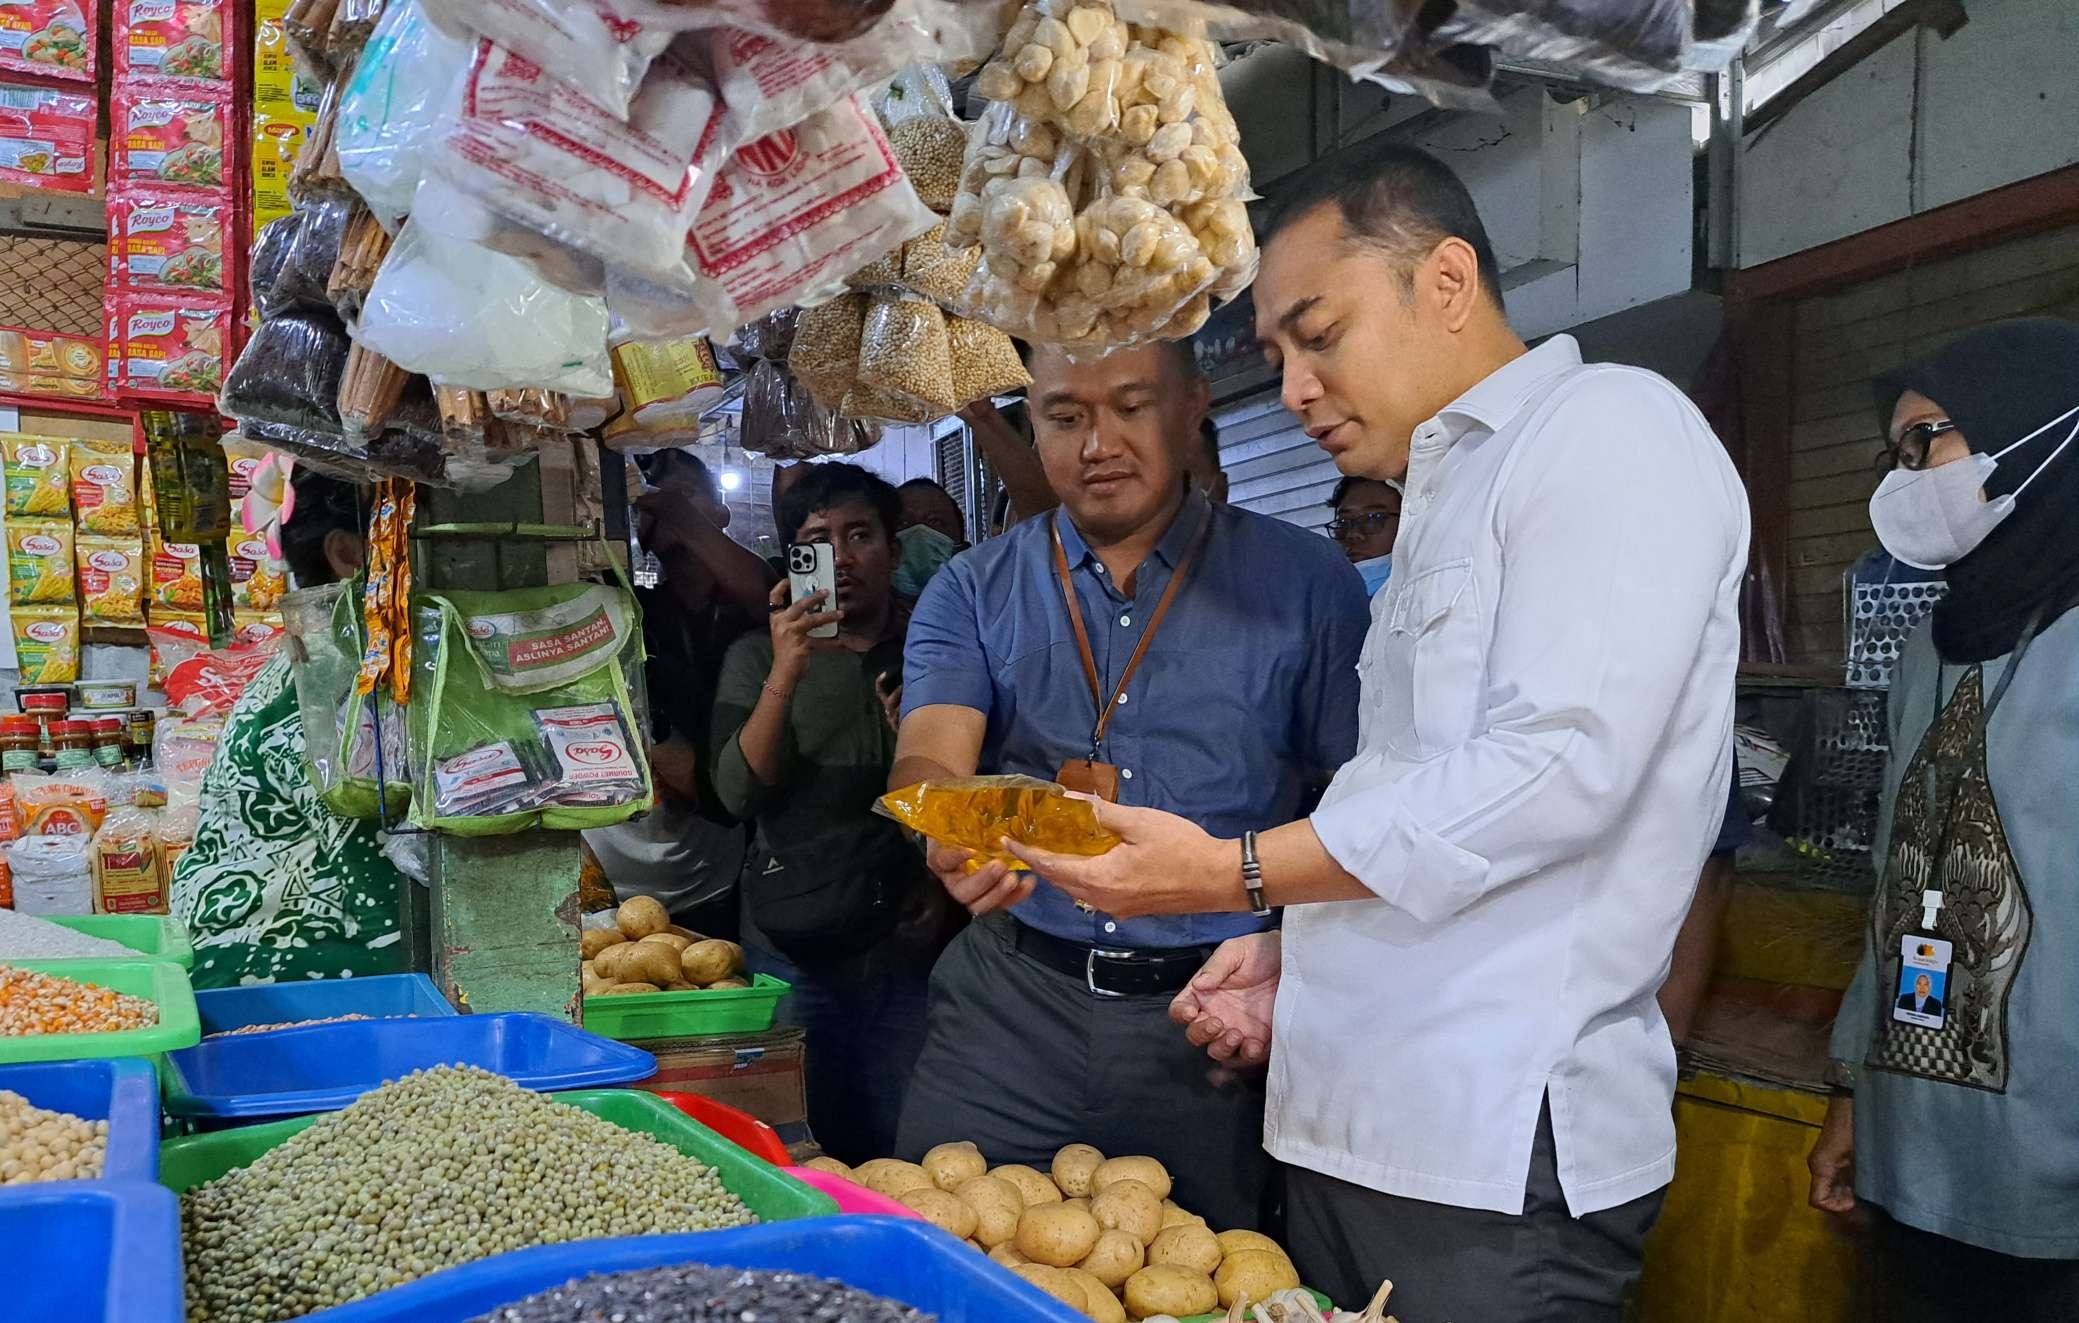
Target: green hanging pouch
[[354, 747], [523, 710]]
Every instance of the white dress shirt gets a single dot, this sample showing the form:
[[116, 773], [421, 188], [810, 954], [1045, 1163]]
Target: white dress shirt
[[1544, 741]]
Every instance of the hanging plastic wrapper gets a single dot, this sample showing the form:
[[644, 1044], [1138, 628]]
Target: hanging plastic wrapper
[[354, 745], [392, 108], [539, 154], [978, 813], [770, 336], [386, 597], [294, 257], [789, 217], [904, 352], [289, 372], [585, 43], [466, 316], [528, 711], [825, 354], [1637, 44], [780, 419]]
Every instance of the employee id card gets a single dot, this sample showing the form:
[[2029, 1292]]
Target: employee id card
[[1923, 989]]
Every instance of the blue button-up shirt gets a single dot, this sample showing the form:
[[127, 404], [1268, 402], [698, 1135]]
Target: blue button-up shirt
[[1245, 702]]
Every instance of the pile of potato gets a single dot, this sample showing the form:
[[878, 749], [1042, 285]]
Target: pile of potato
[[1099, 1234], [646, 952]]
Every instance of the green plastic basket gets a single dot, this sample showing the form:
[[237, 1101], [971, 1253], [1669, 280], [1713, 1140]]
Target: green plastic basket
[[159, 981], [687, 1014], [160, 936], [774, 1197]]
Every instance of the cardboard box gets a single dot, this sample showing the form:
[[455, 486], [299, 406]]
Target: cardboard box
[[761, 1074]]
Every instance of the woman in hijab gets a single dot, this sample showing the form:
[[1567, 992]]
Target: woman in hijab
[[1955, 1115]]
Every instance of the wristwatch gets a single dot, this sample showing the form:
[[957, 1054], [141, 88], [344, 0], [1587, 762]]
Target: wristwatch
[[1252, 877]]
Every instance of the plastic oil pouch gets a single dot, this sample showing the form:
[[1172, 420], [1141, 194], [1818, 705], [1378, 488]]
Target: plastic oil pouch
[[531, 704], [978, 813], [354, 745]]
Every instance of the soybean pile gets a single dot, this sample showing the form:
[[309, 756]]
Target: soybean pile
[[693, 1293], [439, 1168]]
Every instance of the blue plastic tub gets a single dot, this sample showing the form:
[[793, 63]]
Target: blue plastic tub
[[91, 1253], [904, 1260], [294, 1072], [124, 1093], [377, 996]]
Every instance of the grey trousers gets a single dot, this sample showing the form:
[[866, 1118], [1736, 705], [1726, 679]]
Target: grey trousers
[[1022, 1059], [1465, 1265]]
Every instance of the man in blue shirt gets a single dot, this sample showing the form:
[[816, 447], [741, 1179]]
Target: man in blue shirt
[[1049, 1025]]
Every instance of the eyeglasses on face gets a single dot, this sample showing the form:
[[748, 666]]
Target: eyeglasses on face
[[1910, 450], [1344, 527]]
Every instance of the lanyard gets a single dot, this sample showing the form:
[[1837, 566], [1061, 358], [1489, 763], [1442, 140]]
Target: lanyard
[[1075, 620]]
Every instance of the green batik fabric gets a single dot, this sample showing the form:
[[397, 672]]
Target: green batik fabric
[[277, 887]]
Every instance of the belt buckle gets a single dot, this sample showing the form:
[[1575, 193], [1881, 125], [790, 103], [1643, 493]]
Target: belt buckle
[[1090, 970]]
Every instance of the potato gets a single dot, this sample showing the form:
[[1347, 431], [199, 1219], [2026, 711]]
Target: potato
[[686, 933], [1073, 1167], [891, 1176], [607, 964], [1104, 1306], [647, 962], [1187, 1246], [1007, 1255], [1234, 1242], [1131, 1207], [680, 985], [1083, 1204], [1057, 1235], [1032, 1187], [1056, 1283], [1116, 1256], [1166, 1288], [831, 1165], [1173, 1215], [1147, 1171], [594, 940], [623, 989], [726, 984], [952, 1165], [997, 1205], [672, 940], [639, 916], [1253, 1274], [948, 1212], [711, 961]]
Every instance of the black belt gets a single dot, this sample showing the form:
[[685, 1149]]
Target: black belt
[[1106, 972]]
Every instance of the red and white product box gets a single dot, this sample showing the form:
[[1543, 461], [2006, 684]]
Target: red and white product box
[[177, 40], [533, 149], [168, 243], [164, 138], [46, 138], [171, 348], [53, 38]]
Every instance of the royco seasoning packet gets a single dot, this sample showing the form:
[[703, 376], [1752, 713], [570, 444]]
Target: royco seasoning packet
[[37, 474], [169, 242], [39, 561], [172, 39], [104, 486], [171, 347], [170, 139], [46, 644], [54, 38]]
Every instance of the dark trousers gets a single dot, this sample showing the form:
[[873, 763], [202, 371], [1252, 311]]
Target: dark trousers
[[1469, 1265], [1925, 1278], [1022, 1060], [864, 1020]]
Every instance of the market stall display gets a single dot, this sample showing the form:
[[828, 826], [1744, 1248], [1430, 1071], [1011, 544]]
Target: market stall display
[[122, 1008], [117, 1100], [41, 1145], [34, 1004]]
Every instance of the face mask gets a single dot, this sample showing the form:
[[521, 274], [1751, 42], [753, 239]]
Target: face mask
[[1933, 518], [1375, 572], [925, 552]]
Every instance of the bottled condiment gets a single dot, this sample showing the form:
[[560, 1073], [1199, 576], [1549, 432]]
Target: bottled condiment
[[109, 735], [20, 741], [46, 706], [72, 743], [142, 726]]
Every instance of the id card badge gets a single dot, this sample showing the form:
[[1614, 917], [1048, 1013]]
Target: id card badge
[[1086, 776], [1922, 994]]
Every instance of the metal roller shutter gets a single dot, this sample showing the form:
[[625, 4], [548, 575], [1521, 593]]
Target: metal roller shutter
[[1272, 467]]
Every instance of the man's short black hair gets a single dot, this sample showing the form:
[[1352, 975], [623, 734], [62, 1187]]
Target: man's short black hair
[[324, 506], [933, 483], [827, 485], [1182, 356], [1398, 199], [659, 465], [1209, 437]]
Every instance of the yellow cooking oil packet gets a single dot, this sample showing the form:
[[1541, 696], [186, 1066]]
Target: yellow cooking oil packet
[[46, 644], [38, 474], [39, 560], [104, 486], [112, 572]]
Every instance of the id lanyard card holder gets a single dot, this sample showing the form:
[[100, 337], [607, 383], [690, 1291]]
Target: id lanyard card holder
[[1925, 959]]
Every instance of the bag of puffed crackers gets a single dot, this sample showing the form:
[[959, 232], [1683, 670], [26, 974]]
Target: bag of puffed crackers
[[46, 644], [104, 487], [37, 473]]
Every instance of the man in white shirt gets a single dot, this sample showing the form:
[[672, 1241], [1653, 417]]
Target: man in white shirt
[[1470, 1079]]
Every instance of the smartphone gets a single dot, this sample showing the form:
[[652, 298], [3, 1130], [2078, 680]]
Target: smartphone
[[811, 569]]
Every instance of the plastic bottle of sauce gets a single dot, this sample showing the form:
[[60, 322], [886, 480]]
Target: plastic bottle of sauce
[[73, 743], [19, 741], [109, 733], [142, 727]]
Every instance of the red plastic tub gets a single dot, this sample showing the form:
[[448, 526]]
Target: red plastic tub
[[742, 1129]]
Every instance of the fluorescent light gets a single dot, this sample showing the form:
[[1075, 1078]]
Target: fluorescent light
[[731, 479]]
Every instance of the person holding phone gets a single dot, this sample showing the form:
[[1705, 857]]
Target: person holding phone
[[836, 901]]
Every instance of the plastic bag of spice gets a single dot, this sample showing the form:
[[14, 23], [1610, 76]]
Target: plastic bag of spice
[[903, 350], [825, 355], [311, 248], [289, 372]]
